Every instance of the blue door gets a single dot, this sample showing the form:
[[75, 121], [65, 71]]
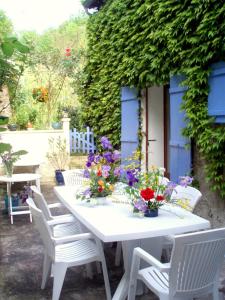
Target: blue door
[[180, 150], [129, 121]]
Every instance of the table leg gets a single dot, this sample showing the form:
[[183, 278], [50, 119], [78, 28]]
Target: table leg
[[9, 202], [38, 184], [151, 245]]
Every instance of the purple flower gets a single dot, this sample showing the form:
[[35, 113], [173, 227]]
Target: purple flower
[[116, 155], [169, 188], [118, 171], [87, 192], [131, 177], [88, 164], [185, 180], [97, 158], [105, 171], [140, 205], [91, 158], [86, 173], [106, 143], [108, 157]]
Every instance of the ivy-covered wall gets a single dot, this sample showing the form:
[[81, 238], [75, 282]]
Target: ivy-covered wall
[[142, 43]]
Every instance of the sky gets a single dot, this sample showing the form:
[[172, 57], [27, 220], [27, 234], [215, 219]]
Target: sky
[[39, 15]]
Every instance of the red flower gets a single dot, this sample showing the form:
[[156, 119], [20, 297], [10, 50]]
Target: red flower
[[99, 173], [159, 198], [68, 52], [100, 189], [147, 194]]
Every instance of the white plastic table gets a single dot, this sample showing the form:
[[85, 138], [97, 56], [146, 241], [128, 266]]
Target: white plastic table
[[115, 222], [23, 177], [28, 162]]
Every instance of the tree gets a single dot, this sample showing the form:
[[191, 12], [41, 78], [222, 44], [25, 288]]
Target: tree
[[12, 57], [55, 60]]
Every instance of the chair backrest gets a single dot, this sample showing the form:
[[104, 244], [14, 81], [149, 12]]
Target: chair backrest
[[74, 177], [163, 180], [195, 262], [119, 194], [43, 227], [41, 203], [187, 193]]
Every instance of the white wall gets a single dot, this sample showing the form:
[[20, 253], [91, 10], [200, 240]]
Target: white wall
[[36, 143]]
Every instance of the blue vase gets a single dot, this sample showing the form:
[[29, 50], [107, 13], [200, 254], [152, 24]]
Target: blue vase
[[151, 213], [59, 177]]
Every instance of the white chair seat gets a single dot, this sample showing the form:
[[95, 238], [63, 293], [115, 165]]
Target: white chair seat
[[155, 280], [79, 251]]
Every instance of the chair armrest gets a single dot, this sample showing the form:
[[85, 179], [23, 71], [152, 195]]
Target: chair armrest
[[67, 218], [55, 205], [151, 260], [61, 220], [73, 238]]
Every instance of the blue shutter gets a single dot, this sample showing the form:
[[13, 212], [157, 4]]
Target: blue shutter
[[216, 98], [180, 156], [129, 121]]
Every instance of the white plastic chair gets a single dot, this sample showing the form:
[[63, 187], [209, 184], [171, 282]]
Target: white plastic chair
[[182, 193], [41, 203], [66, 252], [63, 225], [187, 193], [193, 270], [74, 177]]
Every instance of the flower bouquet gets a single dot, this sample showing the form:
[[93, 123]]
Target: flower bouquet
[[149, 191], [103, 170]]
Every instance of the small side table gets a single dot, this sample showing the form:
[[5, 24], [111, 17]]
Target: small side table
[[23, 177], [27, 162]]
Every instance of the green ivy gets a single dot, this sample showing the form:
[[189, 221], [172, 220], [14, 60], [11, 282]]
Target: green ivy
[[143, 43]]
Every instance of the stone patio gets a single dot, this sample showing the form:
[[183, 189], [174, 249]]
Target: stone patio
[[21, 265]]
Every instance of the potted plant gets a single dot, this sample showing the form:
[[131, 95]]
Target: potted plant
[[32, 115], [58, 157], [9, 158], [12, 123]]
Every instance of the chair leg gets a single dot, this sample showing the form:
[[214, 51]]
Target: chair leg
[[106, 280], [89, 271], [215, 292], [133, 277], [118, 254], [59, 272], [46, 270]]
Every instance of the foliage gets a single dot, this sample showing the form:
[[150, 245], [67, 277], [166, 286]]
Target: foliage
[[13, 56], [74, 113], [58, 156], [55, 59], [142, 43], [103, 170], [6, 25]]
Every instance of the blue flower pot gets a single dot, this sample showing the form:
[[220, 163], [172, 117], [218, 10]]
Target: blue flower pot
[[151, 213], [15, 201], [59, 177], [56, 125]]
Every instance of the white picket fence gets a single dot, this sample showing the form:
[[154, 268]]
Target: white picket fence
[[82, 142]]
